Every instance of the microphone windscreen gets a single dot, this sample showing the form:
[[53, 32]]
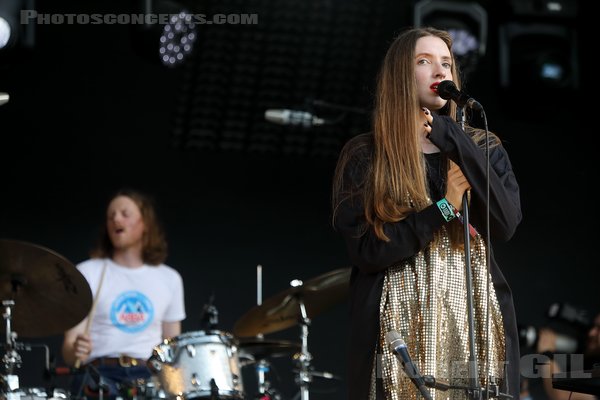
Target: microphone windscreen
[[394, 339], [447, 90], [276, 116]]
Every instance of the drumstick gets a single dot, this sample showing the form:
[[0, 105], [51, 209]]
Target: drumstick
[[92, 310]]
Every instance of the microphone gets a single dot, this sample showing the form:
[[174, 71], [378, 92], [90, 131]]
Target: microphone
[[447, 90], [398, 347], [293, 117], [4, 98]]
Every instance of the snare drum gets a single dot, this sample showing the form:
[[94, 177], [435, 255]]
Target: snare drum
[[199, 365]]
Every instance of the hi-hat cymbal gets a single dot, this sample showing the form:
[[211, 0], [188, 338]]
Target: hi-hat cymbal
[[260, 348], [283, 310], [50, 295]]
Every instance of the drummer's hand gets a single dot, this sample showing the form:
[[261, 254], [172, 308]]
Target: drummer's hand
[[83, 346]]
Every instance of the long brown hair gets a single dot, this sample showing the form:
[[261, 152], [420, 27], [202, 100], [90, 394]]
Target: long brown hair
[[396, 180], [154, 248]]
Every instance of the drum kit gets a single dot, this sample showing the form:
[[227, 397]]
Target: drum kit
[[44, 294]]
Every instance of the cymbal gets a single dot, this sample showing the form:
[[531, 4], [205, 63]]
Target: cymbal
[[49, 293], [283, 310], [260, 348]]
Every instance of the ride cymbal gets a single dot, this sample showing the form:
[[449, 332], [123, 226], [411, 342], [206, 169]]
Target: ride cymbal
[[283, 310]]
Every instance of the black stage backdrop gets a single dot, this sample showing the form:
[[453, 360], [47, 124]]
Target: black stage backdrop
[[92, 110]]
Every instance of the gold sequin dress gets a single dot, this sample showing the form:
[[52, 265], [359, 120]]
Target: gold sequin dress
[[424, 300]]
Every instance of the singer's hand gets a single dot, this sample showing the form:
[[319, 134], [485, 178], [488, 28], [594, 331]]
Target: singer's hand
[[83, 346], [456, 186], [427, 120]]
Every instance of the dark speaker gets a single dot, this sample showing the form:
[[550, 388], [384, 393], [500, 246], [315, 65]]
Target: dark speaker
[[536, 56]]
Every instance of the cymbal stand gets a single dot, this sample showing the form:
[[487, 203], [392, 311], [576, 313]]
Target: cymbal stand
[[304, 357], [11, 359], [262, 365]]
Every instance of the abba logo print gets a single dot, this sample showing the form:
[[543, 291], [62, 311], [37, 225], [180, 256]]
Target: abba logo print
[[131, 312]]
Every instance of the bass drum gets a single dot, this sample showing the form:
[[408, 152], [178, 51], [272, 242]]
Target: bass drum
[[203, 364]]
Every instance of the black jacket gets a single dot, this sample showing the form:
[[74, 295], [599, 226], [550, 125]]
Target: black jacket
[[371, 256]]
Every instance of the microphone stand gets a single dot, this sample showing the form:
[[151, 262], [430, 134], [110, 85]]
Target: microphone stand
[[473, 368], [474, 389], [431, 382]]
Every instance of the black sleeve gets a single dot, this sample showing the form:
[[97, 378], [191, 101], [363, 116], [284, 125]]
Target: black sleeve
[[366, 250], [505, 205]]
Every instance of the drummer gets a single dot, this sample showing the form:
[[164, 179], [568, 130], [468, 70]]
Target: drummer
[[138, 301]]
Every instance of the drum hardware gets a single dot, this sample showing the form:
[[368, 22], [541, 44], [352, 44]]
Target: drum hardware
[[11, 360], [303, 358], [262, 368], [283, 310], [43, 294], [260, 350], [37, 393], [150, 389], [297, 305], [101, 387], [209, 318], [265, 390]]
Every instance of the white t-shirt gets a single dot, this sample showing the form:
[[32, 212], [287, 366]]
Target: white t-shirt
[[131, 306]]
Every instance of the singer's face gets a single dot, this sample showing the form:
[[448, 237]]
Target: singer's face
[[433, 64]]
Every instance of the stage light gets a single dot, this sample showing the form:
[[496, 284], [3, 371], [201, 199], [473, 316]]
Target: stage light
[[177, 39], [12, 33], [168, 42], [9, 22], [5, 32], [465, 21]]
